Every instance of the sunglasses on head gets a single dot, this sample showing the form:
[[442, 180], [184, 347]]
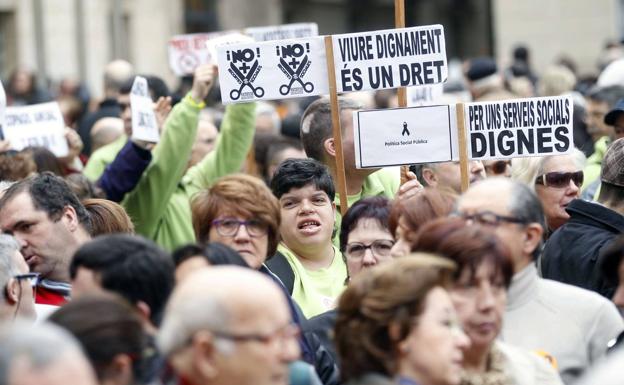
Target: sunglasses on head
[[560, 179], [498, 167]]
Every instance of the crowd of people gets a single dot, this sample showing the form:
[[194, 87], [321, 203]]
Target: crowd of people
[[220, 255]]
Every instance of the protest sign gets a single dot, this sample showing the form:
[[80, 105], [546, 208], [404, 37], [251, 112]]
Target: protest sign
[[519, 127], [272, 70], [2, 110], [282, 32], [144, 124], [390, 58], [425, 95], [187, 52], [402, 136], [37, 125]]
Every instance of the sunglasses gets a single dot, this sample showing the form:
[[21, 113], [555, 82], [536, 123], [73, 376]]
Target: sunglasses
[[560, 179], [498, 167]]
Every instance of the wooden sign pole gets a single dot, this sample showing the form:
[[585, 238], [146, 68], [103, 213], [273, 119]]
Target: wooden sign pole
[[463, 146], [399, 22], [335, 112]]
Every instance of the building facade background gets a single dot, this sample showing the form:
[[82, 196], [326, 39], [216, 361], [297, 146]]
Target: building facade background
[[76, 38]]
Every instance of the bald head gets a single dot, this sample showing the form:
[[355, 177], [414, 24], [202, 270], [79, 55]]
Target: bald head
[[105, 131], [116, 73], [215, 298]]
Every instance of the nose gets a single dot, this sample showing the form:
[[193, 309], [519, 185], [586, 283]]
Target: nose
[[242, 234], [368, 259], [573, 189], [476, 166], [486, 299], [290, 350], [306, 206], [461, 339]]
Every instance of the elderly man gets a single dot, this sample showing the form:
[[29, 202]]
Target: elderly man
[[50, 223], [447, 175], [41, 355], [227, 325], [569, 325], [16, 281]]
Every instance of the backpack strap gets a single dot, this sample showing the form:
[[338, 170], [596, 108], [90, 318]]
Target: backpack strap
[[279, 265]]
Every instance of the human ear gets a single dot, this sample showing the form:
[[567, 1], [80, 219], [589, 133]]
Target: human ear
[[532, 238], [11, 291], [430, 177], [328, 145], [70, 217], [204, 355]]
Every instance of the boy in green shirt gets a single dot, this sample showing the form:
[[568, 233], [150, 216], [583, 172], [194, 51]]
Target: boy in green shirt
[[305, 191]]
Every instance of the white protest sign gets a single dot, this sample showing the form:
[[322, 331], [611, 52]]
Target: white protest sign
[[426, 95], [519, 127], [400, 136], [187, 52], [282, 32], [390, 58], [272, 70], [2, 110], [144, 124], [37, 125]]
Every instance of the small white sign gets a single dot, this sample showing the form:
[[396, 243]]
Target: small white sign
[[272, 70], [401, 136], [283, 32], [2, 110], [390, 58], [144, 124], [426, 95], [37, 125], [187, 52], [519, 127]]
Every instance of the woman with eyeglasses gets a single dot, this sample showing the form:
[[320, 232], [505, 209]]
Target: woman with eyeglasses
[[479, 295], [556, 179], [397, 320]]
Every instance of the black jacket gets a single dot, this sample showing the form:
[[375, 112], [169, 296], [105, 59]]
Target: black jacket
[[573, 253]]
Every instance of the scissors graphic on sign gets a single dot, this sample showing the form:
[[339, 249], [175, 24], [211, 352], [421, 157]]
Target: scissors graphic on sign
[[245, 81], [295, 76]]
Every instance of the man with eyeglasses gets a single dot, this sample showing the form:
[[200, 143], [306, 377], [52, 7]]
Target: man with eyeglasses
[[227, 325], [573, 253], [569, 325], [16, 281]]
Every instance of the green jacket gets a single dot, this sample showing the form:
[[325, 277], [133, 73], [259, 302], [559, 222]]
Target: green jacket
[[160, 204], [594, 162], [384, 182]]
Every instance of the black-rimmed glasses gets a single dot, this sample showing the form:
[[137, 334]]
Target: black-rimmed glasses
[[489, 218], [379, 248]]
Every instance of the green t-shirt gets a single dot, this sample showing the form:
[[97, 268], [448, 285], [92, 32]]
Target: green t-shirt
[[102, 157], [316, 291]]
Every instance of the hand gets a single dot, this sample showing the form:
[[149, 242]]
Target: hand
[[203, 81], [162, 108], [411, 187], [74, 145]]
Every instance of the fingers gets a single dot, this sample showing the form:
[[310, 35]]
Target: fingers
[[203, 81], [410, 188]]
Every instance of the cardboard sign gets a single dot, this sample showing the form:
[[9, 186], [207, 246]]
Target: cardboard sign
[[2, 110], [519, 127], [144, 124], [400, 136], [426, 95], [283, 32], [272, 70], [187, 52], [37, 125], [390, 59]]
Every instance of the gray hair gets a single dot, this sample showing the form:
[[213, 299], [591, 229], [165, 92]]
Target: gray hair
[[524, 204], [42, 346], [526, 170], [8, 268], [186, 316], [4, 185]]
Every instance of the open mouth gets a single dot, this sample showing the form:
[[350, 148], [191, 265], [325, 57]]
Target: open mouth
[[309, 225]]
